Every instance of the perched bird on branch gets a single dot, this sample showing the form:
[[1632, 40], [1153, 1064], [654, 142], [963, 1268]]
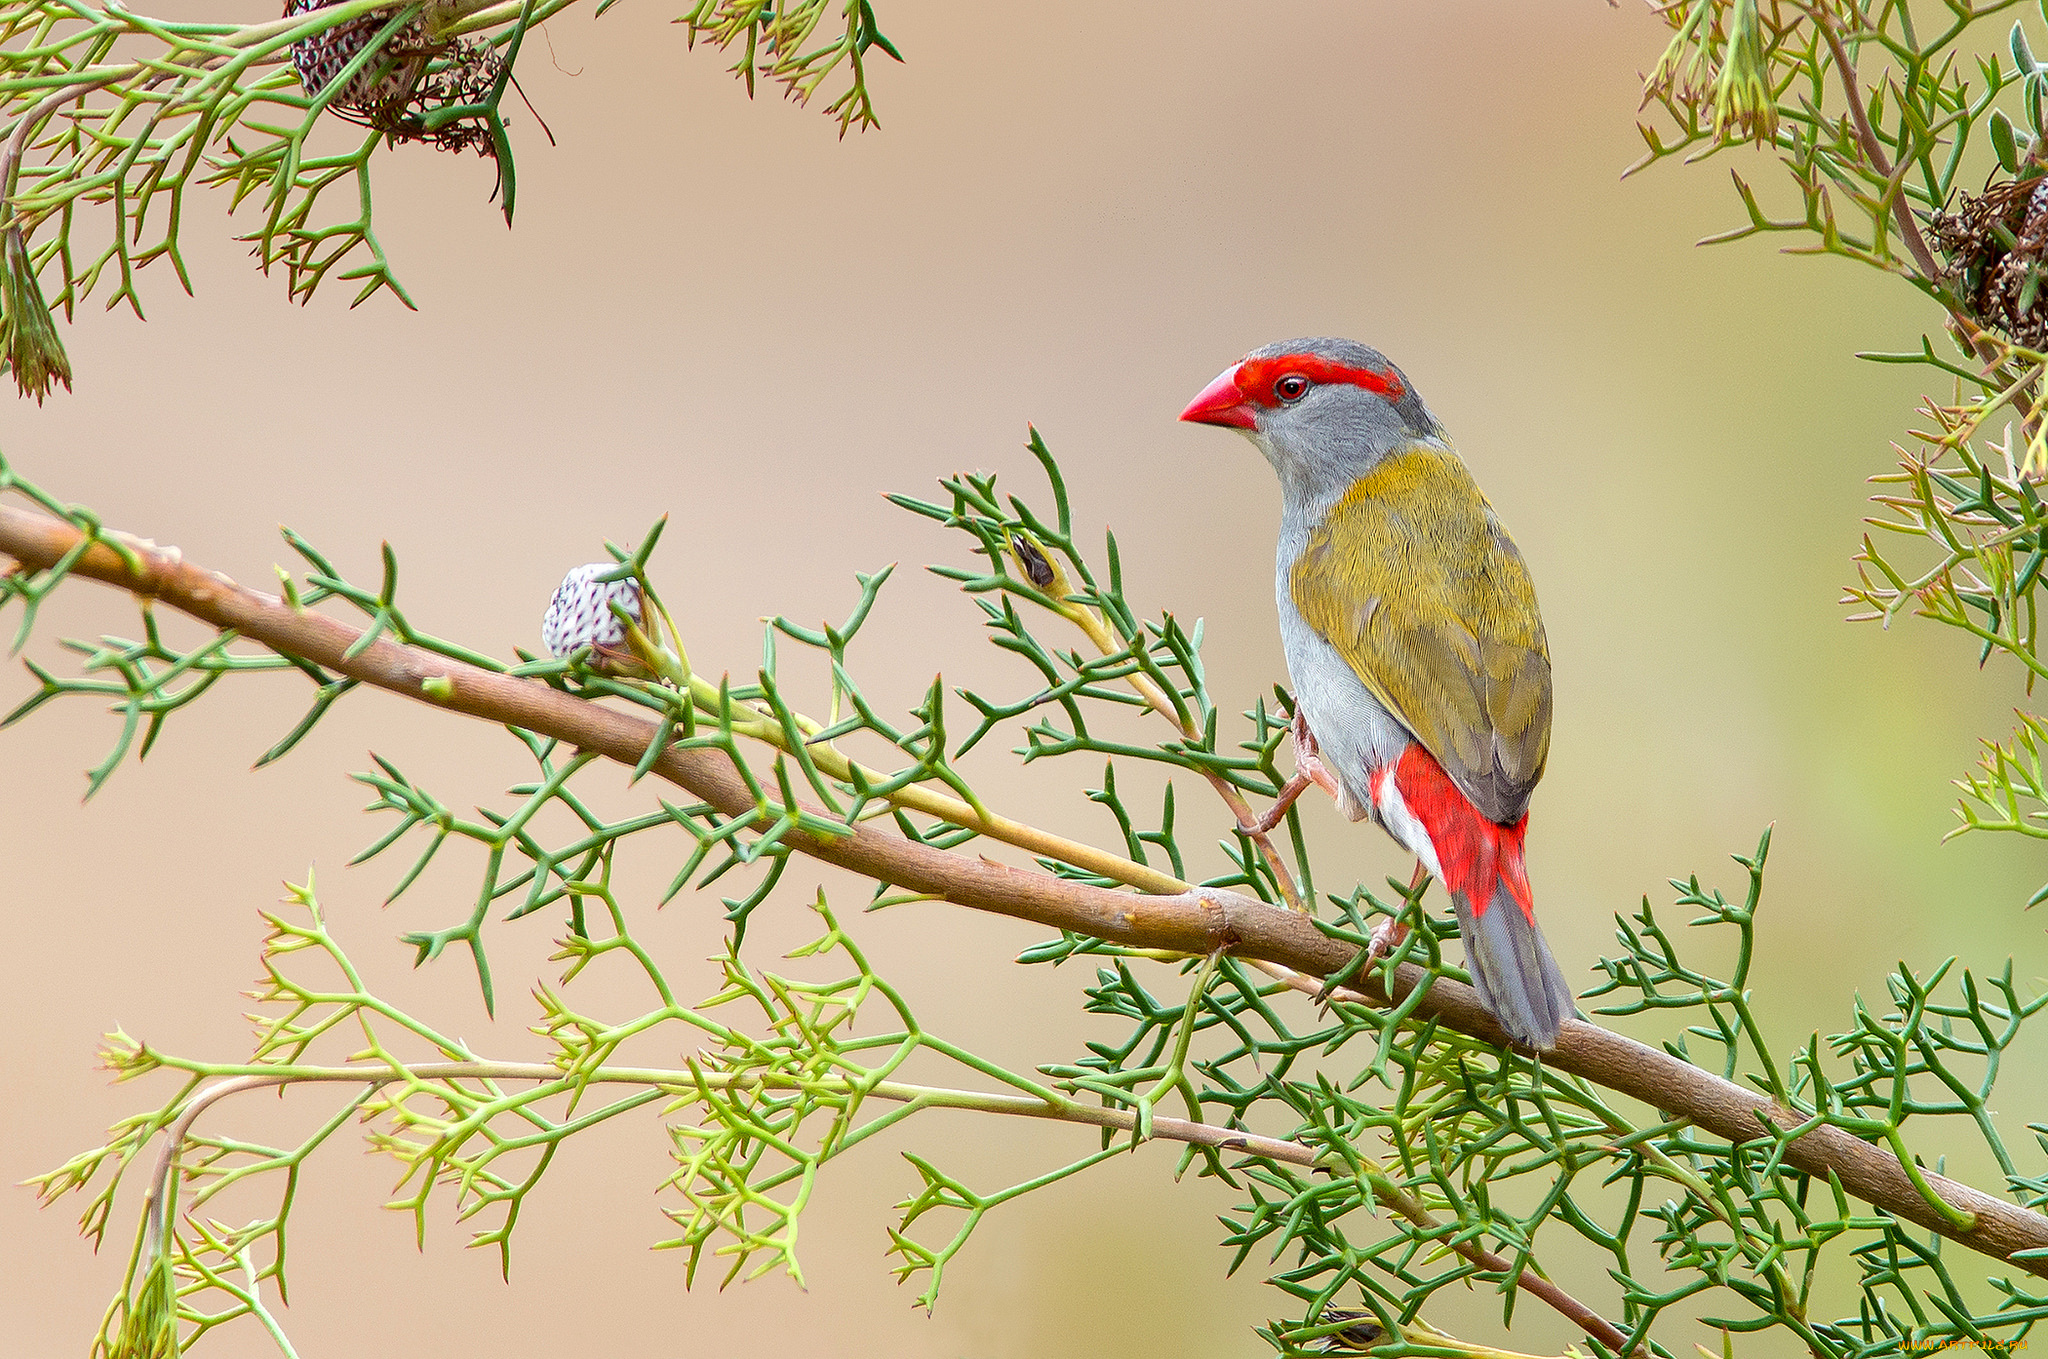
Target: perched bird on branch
[[1421, 677]]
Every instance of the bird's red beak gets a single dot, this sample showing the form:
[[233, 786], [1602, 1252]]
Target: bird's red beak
[[1221, 403]]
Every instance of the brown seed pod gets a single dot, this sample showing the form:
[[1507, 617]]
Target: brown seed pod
[[412, 76], [1997, 248], [1364, 1332], [1032, 560]]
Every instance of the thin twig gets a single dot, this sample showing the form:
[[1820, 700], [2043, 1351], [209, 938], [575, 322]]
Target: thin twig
[[1985, 346], [1247, 820], [1909, 229], [922, 798], [1902, 210], [684, 1082], [10, 159]]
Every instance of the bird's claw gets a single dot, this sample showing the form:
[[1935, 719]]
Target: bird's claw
[[1307, 758], [1308, 769], [1387, 936]]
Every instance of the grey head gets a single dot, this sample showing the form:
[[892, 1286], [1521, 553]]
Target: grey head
[[1322, 410]]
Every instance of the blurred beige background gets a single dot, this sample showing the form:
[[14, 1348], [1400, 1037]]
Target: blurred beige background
[[1073, 214]]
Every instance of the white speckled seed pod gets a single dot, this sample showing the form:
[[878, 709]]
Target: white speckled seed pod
[[579, 616]]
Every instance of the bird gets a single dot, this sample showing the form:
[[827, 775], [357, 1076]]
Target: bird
[[1414, 645]]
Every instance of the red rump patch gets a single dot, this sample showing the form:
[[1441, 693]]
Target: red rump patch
[[1255, 377], [1475, 853]]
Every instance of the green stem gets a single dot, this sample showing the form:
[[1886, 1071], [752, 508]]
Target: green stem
[[1961, 1219]]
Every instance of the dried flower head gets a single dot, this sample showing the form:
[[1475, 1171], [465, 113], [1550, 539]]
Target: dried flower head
[[1031, 559], [413, 76], [1996, 248]]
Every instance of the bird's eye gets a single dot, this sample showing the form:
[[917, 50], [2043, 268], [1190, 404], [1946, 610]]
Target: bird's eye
[[1291, 388]]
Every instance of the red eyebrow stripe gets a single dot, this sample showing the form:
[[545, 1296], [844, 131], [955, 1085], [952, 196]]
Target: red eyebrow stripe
[[1255, 377]]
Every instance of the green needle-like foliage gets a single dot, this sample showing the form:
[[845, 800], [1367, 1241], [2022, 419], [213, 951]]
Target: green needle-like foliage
[[1912, 140], [1377, 1156], [110, 116]]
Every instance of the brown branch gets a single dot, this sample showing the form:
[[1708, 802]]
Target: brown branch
[[1902, 212], [1196, 921], [1895, 187]]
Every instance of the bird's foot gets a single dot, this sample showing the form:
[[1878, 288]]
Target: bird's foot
[[1307, 759], [1308, 769], [1387, 936], [1392, 932], [1275, 814]]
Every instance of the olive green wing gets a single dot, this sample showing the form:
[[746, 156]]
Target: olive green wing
[[1415, 583]]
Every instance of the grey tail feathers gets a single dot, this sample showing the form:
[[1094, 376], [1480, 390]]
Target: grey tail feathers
[[1518, 981]]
